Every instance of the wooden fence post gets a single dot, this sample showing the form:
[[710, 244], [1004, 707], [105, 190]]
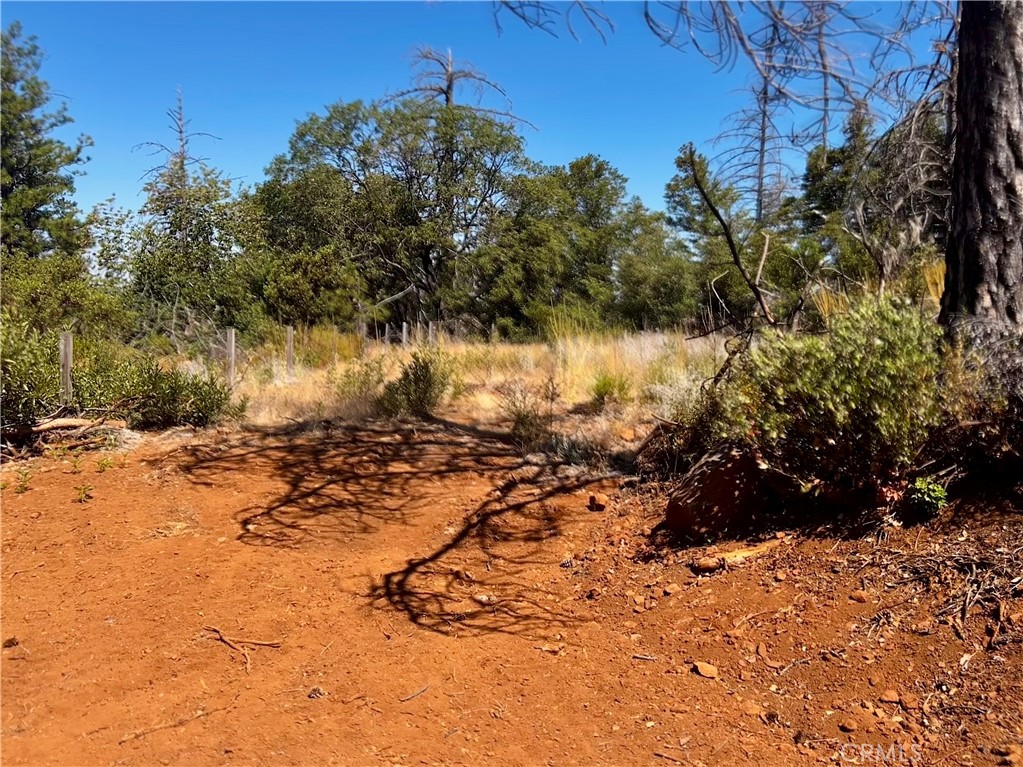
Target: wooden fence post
[[432, 337], [67, 352], [289, 351], [404, 334], [230, 358]]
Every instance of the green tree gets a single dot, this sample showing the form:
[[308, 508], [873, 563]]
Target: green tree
[[38, 170], [655, 277], [417, 182], [182, 254], [46, 278]]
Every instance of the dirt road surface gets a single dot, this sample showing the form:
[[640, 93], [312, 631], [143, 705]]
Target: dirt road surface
[[385, 595]]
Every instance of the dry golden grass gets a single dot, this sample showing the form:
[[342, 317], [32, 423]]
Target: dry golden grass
[[656, 367]]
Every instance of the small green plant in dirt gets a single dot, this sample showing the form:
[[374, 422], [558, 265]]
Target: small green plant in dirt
[[24, 475], [76, 464], [612, 388], [55, 451], [925, 497], [420, 386], [84, 493], [104, 463]]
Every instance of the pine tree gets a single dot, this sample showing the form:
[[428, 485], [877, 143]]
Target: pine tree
[[38, 170]]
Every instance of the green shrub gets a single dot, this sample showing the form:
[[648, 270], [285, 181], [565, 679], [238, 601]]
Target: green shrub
[[420, 386], [163, 398], [29, 372], [359, 386], [611, 388], [925, 498], [849, 408]]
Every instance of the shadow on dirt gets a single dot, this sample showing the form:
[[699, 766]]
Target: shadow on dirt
[[343, 482], [477, 581]]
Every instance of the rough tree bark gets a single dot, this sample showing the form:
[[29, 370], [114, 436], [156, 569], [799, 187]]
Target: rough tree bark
[[984, 259]]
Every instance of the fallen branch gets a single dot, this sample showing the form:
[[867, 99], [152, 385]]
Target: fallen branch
[[234, 644], [413, 695], [81, 424], [179, 723]]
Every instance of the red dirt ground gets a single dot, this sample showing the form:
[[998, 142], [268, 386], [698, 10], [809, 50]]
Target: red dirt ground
[[439, 600]]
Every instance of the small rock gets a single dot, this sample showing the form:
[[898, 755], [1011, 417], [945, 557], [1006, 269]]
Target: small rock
[[706, 565], [706, 670], [889, 696], [848, 725], [752, 708], [627, 434], [11, 642], [671, 588], [909, 702], [598, 502], [874, 680], [780, 576], [316, 692], [860, 596]]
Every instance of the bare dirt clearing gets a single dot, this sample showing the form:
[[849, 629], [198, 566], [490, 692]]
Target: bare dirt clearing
[[437, 599]]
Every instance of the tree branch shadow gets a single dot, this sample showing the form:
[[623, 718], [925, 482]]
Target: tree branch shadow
[[351, 481]]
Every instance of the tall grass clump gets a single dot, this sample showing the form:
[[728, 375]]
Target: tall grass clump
[[359, 385]]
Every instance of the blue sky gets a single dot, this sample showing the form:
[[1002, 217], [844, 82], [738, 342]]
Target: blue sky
[[249, 71]]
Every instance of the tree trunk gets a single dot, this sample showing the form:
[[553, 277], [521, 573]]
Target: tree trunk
[[984, 257]]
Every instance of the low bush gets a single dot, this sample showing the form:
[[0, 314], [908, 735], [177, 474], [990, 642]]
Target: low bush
[[612, 388], [531, 411], [359, 387], [849, 408], [420, 386], [108, 378], [29, 373], [163, 398], [149, 396]]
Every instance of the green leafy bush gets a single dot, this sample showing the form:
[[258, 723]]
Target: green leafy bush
[[164, 398], [29, 372], [107, 377], [849, 408], [925, 498], [151, 397], [420, 386]]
